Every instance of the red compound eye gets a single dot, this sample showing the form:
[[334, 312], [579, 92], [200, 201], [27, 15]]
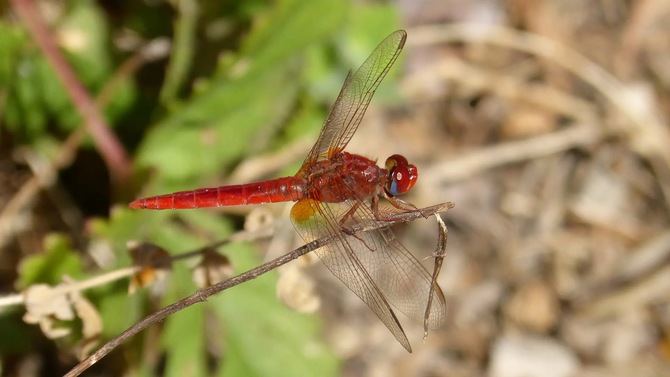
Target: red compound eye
[[402, 175]]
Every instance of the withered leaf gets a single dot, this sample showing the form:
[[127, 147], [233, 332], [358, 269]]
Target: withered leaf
[[213, 268], [154, 263]]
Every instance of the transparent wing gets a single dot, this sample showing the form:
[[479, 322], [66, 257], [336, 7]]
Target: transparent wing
[[399, 275], [375, 265], [354, 98], [314, 220]]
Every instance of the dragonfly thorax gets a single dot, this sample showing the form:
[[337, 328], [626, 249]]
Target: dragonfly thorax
[[342, 177]]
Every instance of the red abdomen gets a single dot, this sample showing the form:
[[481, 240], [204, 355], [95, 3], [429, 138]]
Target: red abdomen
[[272, 191]]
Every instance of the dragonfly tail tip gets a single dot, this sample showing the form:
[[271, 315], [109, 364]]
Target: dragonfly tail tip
[[137, 204]]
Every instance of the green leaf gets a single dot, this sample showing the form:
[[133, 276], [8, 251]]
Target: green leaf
[[84, 35], [263, 337], [57, 259], [35, 95], [217, 127], [369, 25], [184, 337], [114, 299], [182, 49], [125, 225], [17, 336], [29, 100], [229, 115], [291, 27], [307, 121], [327, 67], [208, 223], [11, 40], [54, 98]]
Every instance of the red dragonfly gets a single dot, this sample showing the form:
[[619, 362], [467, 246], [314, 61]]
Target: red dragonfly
[[334, 189]]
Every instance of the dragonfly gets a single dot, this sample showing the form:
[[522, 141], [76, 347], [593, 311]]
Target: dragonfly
[[334, 189]]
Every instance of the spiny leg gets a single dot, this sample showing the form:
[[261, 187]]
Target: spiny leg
[[396, 202]]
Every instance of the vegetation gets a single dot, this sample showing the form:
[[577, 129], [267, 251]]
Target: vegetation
[[190, 89]]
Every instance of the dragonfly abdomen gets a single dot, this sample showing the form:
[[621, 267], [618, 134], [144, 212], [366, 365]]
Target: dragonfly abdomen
[[277, 190]]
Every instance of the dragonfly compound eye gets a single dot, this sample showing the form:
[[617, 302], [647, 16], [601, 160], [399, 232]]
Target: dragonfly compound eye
[[402, 175]]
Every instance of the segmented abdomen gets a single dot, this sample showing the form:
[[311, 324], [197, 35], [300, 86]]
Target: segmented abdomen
[[272, 191]]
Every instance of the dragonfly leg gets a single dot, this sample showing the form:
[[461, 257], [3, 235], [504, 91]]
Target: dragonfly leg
[[349, 214], [401, 204], [346, 230], [375, 208], [396, 202]]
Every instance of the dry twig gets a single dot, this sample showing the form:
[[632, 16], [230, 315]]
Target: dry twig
[[440, 253], [111, 276], [506, 153]]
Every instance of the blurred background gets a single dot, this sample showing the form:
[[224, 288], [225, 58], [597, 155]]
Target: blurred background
[[545, 122]]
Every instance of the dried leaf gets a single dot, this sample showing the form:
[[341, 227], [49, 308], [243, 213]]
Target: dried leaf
[[44, 306], [91, 323], [534, 306], [258, 218], [154, 262], [212, 269], [297, 290]]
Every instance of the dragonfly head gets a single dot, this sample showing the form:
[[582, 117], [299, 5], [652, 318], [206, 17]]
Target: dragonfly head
[[401, 175]]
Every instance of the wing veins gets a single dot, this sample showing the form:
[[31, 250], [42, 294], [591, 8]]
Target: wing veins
[[354, 98]]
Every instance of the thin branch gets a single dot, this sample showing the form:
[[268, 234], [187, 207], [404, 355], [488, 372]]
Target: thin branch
[[440, 253], [509, 87], [106, 142], [510, 152], [650, 289], [11, 300], [203, 294], [75, 286], [114, 275]]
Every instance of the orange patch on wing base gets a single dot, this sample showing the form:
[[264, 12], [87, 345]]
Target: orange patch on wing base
[[303, 210], [333, 151]]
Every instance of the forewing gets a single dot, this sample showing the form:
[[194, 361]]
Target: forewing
[[314, 220], [354, 98]]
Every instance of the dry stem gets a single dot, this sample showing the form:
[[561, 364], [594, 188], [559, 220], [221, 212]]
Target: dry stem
[[111, 276]]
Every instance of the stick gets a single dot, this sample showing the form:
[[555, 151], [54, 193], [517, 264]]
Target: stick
[[440, 253], [114, 275]]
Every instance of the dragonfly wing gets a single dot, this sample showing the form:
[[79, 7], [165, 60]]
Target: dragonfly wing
[[314, 220], [354, 98], [399, 275]]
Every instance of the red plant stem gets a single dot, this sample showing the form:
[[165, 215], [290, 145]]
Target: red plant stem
[[105, 141]]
